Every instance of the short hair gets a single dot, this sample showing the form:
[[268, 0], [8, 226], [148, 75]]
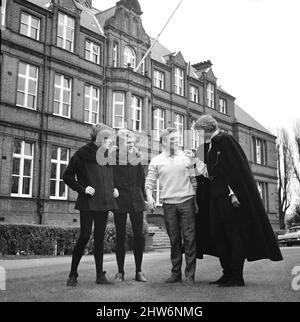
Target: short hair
[[167, 132], [96, 129], [206, 123]]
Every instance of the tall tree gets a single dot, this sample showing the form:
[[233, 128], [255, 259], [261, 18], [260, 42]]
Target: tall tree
[[295, 157], [285, 171]]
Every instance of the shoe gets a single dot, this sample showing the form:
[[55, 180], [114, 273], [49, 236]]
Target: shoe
[[190, 281], [72, 281], [101, 279], [140, 277], [119, 277], [233, 282], [173, 279], [224, 279]]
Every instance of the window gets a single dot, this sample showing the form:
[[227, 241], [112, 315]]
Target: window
[[260, 151], [92, 52], [179, 121], [157, 193], [59, 163], [129, 57], [179, 82], [3, 12], [210, 95], [22, 172], [91, 104], [27, 86], [159, 79], [65, 32], [223, 106], [136, 113], [62, 96], [195, 137], [158, 122], [118, 109], [143, 68], [263, 190], [115, 54], [30, 26], [194, 94]]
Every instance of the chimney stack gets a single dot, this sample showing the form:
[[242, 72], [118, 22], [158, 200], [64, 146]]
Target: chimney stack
[[203, 65]]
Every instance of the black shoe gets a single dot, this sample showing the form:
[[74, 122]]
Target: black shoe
[[173, 279], [224, 279], [140, 277], [233, 282], [119, 277], [101, 279], [72, 281]]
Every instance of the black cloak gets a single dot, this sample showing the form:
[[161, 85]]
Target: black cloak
[[257, 234]]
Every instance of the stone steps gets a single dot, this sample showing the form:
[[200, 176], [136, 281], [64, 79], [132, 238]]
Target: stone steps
[[161, 238]]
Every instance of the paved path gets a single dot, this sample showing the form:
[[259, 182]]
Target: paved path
[[45, 280]]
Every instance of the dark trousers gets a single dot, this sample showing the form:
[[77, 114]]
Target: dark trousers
[[138, 239], [87, 218], [180, 221], [225, 232]]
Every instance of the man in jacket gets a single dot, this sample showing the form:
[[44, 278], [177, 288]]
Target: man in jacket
[[232, 222], [94, 184]]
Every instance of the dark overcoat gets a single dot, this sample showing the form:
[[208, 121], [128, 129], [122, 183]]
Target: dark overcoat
[[231, 164], [83, 171]]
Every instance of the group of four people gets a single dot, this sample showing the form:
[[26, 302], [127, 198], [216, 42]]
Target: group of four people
[[211, 202]]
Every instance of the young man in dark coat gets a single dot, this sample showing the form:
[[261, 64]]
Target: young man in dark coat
[[96, 196], [129, 177], [232, 222]]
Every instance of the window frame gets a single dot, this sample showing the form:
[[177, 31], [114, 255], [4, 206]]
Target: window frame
[[132, 56], [194, 94], [3, 13], [26, 83], [22, 157], [210, 95], [157, 118], [223, 107], [159, 79], [29, 25], [134, 111], [179, 125], [65, 26], [61, 101], [123, 109], [57, 179], [179, 81], [115, 56], [91, 99], [92, 52]]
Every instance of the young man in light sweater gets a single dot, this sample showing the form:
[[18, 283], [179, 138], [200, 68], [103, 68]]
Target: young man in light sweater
[[178, 184]]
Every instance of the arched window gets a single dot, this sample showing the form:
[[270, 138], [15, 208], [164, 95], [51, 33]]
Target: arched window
[[129, 57]]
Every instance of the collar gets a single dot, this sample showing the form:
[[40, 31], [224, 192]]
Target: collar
[[168, 154], [218, 131]]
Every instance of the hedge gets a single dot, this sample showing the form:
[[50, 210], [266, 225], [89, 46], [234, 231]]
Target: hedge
[[47, 240]]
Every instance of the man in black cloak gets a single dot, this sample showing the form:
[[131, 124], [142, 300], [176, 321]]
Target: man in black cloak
[[232, 223]]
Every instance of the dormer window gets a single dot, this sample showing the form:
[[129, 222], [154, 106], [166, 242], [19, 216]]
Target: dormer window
[[129, 57], [210, 93], [179, 81]]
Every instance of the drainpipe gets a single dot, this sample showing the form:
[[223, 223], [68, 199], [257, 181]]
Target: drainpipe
[[40, 198]]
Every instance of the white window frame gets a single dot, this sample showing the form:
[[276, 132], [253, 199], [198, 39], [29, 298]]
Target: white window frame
[[195, 137], [57, 179], [129, 57], [259, 157], [92, 49], [159, 79], [223, 106], [194, 94], [21, 176], [91, 98], [123, 109], [179, 81], [159, 115], [157, 192], [210, 90], [136, 108], [26, 91], [64, 23], [3, 13], [263, 191], [29, 25], [115, 54], [143, 67], [61, 102], [179, 125]]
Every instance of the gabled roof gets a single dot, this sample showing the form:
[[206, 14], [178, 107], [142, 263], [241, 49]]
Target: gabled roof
[[242, 117], [104, 15], [87, 18]]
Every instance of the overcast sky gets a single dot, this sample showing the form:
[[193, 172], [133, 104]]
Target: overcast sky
[[254, 46]]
